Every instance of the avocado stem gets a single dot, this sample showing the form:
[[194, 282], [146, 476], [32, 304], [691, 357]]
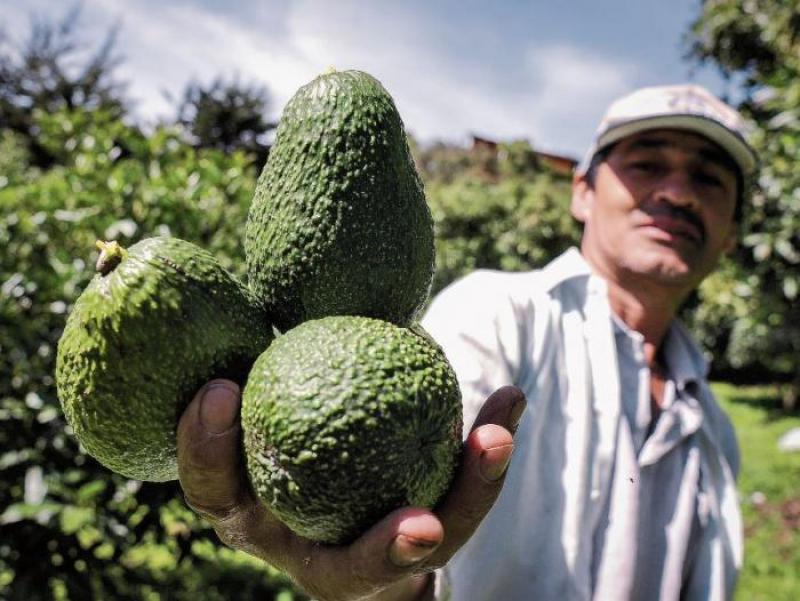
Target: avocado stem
[[111, 255]]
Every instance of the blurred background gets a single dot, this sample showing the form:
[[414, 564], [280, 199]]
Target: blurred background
[[124, 120]]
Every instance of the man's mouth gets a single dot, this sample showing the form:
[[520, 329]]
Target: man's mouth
[[676, 224]]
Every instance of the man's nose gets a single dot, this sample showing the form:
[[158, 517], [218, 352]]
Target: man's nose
[[676, 187]]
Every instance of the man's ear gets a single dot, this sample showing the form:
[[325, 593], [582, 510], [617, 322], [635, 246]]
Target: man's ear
[[582, 197]]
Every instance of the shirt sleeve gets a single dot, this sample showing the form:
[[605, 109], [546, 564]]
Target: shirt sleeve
[[474, 322], [478, 327]]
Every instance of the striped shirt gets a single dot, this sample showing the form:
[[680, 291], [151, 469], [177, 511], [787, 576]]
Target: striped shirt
[[596, 505]]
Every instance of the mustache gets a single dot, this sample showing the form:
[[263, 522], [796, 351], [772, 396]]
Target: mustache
[[665, 209]]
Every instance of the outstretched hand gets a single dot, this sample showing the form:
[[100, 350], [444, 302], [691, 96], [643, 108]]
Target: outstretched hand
[[389, 561]]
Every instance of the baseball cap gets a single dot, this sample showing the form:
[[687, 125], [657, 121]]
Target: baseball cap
[[687, 107]]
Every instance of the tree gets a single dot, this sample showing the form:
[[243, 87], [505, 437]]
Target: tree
[[227, 116], [757, 43], [494, 209], [52, 70]]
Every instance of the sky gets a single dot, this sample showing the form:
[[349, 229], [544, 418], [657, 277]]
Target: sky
[[505, 70]]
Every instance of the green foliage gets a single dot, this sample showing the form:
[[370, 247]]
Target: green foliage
[[758, 41], [495, 210], [15, 159], [70, 529], [94, 534], [72, 172]]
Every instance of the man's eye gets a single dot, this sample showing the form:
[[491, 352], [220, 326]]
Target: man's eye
[[709, 179], [644, 166]]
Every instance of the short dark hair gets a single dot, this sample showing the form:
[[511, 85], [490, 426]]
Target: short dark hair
[[599, 156], [743, 186]]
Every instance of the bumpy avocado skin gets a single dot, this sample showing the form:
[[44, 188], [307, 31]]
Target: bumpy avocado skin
[[339, 224], [346, 419], [139, 343]]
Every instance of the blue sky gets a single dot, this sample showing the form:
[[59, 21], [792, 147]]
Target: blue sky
[[541, 71]]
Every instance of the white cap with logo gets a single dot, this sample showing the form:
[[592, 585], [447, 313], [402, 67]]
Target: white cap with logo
[[687, 107]]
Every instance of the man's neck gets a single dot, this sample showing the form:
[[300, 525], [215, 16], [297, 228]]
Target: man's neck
[[648, 314], [645, 304], [651, 316]]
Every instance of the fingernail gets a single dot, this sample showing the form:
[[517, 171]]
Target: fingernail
[[406, 551], [515, 415], [494, 462], [219, 407]]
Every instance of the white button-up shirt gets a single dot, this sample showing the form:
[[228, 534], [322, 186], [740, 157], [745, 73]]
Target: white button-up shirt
[[594, 505]]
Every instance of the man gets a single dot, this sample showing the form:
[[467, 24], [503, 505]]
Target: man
[[622, 484]]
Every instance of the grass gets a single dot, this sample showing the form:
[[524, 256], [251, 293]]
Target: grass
[[769, 488]]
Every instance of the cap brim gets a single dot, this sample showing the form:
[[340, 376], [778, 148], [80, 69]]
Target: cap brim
[[738, 149]]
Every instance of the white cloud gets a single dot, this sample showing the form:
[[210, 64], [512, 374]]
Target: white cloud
[[572, 87], [437, 94], [166, 46], [553, 95], [15, 21]]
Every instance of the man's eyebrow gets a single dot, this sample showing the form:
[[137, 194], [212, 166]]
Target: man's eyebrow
[[709, 154]]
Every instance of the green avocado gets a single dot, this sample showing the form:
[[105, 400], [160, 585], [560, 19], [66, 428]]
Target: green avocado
[[347, 418], [157, 322], [339, 224]]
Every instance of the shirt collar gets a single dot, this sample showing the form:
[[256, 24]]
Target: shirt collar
[[684, 359], [683, 356], [569, 264]]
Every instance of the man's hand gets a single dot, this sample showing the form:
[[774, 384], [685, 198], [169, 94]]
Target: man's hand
[[389, 561]]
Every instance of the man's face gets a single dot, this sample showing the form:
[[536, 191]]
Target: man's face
[[661, 207]]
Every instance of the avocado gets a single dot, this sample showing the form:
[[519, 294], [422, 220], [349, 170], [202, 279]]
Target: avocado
[[347, 418], [155, 323], [339, 224]]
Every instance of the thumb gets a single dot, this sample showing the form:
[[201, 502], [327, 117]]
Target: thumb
[[486, 455], [209, 458]]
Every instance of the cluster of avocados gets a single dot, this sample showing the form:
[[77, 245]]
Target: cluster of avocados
[[349, 409]]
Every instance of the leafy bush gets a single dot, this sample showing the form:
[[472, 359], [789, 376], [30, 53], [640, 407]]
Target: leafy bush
[[496, 210], [92, 533], [70, 529]]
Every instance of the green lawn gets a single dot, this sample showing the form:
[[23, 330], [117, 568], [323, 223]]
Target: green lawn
[[769, 488]]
